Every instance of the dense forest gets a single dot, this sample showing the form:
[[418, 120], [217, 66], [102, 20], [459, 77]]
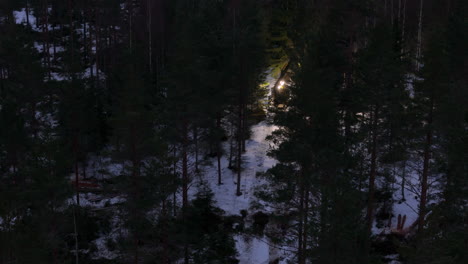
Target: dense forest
[[233, 131]]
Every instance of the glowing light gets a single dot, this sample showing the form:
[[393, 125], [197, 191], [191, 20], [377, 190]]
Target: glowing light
[[281, 84]]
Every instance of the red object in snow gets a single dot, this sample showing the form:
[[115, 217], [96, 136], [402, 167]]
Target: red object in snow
[[86, 184]]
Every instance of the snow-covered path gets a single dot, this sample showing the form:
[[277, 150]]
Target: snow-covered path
[[254, 160], [251, 250]]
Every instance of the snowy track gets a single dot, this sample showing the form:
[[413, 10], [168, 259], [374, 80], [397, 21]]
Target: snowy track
[[254, 160], [251, 250]]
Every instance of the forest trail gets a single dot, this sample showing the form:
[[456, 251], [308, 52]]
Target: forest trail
[[254, 160], [251, 250]]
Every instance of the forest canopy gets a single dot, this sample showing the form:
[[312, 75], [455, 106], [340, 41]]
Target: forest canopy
[[233, 131]]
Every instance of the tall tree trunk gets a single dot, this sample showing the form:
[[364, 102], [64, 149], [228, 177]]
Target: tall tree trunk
[[27, 14], [373, 171], [97, 30], [185, 181], [54, 231], [239, 149], [150, 40], [305, 232], [399, 12], [85, 44], [164, 239], [174, 195], [92, 58], [195, 139], [231, 146], [403, 180], [385, 8], [403, 26], [130, 21], [37, 22], [186, 255], [419, 48], [218, 149], [72, 52], [77, 259], [300, 231], [76, 135], [184, 165], [108, 42], [244, 124], [425, 172], [54, 44], [47, 40], [136, 196], [391, 11], [44, 38], [77, 176]]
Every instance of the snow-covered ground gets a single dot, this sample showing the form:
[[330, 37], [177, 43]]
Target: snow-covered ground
[[251, 250], [254, 160], [409, 204], [21, 18]]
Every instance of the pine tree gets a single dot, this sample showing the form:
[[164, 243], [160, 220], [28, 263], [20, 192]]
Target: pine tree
[[441, 96], [33, 161], [208, 235], [133, 124]]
